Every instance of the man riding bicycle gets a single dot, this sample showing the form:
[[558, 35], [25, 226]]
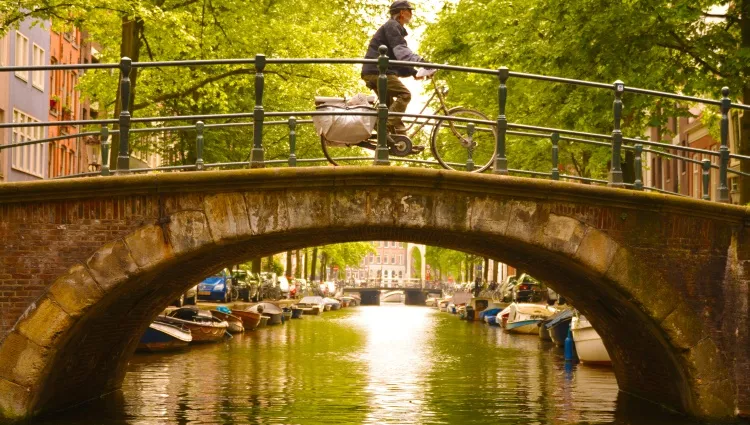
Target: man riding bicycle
[[391, 34]]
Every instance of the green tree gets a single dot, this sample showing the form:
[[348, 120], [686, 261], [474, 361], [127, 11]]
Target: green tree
[[692, 47]]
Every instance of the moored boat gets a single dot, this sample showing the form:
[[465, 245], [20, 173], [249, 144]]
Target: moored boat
[[525, 318], [311, 305], [296, 313], [487, 314], [263, 321], [234, 323], [203, 326], [250, 319], [286, 314], [160, 336], [589, 345], [267, 309], [334, 303], [558, 326]]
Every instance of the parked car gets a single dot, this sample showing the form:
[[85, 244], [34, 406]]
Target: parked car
[[217, 287], [529, 290], [190, 297]]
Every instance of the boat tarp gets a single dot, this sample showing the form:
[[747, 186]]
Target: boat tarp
[[173, 331], [268, 308], [489, 312], [331, 301], [191, 313], [558, 317], [311, 300]]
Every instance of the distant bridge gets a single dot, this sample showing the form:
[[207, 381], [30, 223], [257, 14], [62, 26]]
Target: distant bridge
[[414, 295]]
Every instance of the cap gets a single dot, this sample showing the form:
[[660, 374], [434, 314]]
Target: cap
[[401, 5]]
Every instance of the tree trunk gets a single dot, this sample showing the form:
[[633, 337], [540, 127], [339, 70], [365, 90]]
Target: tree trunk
[[269, 264], [297, 264], [288, 271], [486, 271], [323, 274], [314, 263], [256, 265], [130, 47]]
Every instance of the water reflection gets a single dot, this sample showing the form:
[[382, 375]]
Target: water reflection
[[367, 365]]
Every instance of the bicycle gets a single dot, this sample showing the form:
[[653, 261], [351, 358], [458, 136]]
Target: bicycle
[[450, 143]]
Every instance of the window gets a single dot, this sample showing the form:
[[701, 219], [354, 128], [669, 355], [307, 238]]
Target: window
[[393, 259], [697, 173], [385, 244], [22, 55], [378, 259], [30, 158], [37, 77], [400, 259]]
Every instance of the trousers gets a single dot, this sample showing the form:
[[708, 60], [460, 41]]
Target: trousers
[[397, 99]]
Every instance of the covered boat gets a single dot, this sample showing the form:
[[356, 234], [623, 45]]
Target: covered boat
[[502, 317], [296, 313], [334, 303], [160, 336], [234, 322], [558, 326], [311, 305], [490, 313], [267, 309], [589, 345], [203, 326], [525, 318]]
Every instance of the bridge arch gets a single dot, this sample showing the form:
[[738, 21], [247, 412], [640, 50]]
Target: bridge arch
[[420, 248], [623, 258]]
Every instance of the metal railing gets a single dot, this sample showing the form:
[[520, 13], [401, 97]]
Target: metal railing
[[500, 126]]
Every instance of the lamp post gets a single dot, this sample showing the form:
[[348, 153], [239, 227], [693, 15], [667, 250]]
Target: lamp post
[[93, 153]]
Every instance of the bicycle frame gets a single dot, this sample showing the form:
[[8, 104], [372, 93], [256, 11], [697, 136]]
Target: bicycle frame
[[436, 92]]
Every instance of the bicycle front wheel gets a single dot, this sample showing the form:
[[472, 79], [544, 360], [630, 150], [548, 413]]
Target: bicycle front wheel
[[450, 142]]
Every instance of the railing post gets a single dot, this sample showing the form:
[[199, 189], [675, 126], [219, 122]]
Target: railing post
[[199, 145], [104, 141], [706, 166], [501, 162], [555, 156], [470, 148], [615, 173], [381, 153], [256, 157], [123, 157], [638, 167], [722, 189], [292, 142]]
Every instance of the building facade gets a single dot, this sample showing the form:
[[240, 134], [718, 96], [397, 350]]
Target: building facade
[[388, 264], [24, 98]]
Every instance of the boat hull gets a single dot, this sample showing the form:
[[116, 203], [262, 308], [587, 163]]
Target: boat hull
[[589, 345], [250, 319], [296, 313], [202, 332], [273, 319], [157, 339], [559, 331], [234, 322], [530, 327]]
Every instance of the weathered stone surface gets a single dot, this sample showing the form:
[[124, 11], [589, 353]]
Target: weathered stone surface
[[148, 246], [490, 216], [188, 231], [413, 210], [715, 399], [381, 209], [14, 400], [705, 361], [111, 264], [227, 216], [451, 212], [76, 291], [645, 286], [349, 208], [522, 223], [269, 212], [562, 234], [683, 327], [23, 360], [597, 250], [44, 322]]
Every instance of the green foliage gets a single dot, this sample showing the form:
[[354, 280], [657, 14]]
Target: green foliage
[[654, 44], [446, 263], [347, 254]]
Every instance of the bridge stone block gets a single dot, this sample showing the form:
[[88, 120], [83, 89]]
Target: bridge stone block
[[706, 361], [188, 231], [645, 286], [683, 328], [380, 209], [302, 211], [596, 250], [715, 399], [23, 361], [76, 291], [349, 207], [451, 211], [490, 216], [44, 322], [522, 224], [111, 265], [227, 217], [148, 246], [413, 209], [562, 234], [15, 400]]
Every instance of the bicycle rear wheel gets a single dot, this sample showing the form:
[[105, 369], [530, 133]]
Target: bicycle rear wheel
[[449, 141]]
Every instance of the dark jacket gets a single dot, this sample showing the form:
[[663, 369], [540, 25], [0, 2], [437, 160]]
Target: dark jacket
[[391, 34]]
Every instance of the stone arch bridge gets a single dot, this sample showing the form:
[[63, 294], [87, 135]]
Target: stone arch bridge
[[86, 264]]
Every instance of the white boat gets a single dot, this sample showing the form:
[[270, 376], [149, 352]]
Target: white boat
[[524, 318], [589, 345], [311, 305]]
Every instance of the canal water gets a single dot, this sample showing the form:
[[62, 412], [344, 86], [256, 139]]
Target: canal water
[[391, 364]]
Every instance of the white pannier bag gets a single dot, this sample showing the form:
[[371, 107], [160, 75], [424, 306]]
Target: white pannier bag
[[345, 130]]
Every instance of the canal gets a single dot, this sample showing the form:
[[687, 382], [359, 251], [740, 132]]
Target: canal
[[367, 365]]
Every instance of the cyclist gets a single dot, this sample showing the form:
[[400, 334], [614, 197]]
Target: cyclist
[[391, 34]]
